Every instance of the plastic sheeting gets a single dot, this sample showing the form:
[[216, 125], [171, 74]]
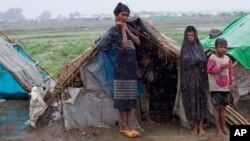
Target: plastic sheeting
[[242, 79], [37, 105], [237, 35], [90, 108], [21, 69], [10, 86], [98, 74]]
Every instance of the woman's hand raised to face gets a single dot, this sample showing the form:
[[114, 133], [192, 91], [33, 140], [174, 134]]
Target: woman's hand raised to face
[[120, 25]]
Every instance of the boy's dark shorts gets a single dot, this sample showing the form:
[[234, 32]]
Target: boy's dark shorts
[[220, 98]]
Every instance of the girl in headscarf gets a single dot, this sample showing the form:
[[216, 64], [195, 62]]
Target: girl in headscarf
[[194, 80], [122, 38]]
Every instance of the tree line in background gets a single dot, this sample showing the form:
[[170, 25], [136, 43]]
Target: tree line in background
[[16, 14]]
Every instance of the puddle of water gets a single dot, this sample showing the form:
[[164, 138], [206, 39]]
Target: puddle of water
[[13, 115]]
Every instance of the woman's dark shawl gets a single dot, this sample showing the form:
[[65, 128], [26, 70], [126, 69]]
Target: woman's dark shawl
[[193, 63]]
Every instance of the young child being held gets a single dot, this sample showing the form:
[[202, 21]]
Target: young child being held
[[220, 74]]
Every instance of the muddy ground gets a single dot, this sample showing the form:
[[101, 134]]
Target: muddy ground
[[14, 115], [54, 132]]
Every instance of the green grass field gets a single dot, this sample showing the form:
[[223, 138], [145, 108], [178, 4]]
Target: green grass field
[[55, 44]]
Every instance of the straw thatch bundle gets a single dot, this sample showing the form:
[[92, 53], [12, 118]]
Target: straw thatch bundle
[[159, 40], [70, 71]]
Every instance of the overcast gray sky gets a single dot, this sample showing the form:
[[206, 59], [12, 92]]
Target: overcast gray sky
[[33, 8]]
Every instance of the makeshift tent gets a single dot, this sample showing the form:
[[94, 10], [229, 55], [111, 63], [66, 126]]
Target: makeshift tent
[[18, 71], [237, 35], [86, 84]]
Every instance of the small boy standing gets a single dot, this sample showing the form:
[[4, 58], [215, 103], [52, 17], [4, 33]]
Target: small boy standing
[[146, 76], [220, 74]]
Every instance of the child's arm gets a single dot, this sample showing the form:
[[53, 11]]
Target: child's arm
[[212, 68]]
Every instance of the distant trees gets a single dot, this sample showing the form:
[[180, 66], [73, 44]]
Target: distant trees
[[74, 15], [45, 16], [16, 14], [12, 14]]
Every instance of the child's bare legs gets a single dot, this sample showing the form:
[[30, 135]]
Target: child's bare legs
[[195, 129], [148, 119], [217, 120], [147, 110], [123, 119], [128, 119], [223, 120], [201, 128]]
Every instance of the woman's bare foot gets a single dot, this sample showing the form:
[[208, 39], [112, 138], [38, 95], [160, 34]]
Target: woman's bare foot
[[225, 131], [202, 132], [150, 122], [124, 128], [219, 134], [195, 131]]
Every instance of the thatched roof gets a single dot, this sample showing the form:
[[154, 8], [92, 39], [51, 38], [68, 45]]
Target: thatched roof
[[159, 40], [146, 31]]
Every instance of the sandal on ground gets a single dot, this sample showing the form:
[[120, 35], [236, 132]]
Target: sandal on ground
[[128, 133], [137, 133]]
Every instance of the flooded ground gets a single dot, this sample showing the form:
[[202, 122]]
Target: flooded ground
[[14, 114]]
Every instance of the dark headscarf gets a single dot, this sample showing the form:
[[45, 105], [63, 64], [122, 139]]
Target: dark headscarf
[[193, 77], [192, 54]]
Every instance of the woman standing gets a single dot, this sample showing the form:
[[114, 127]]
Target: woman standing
[[194, 80], [123, 38]]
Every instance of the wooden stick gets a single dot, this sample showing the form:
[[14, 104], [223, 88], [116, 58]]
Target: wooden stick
[[235, 117], [237, 114], [232, 119], [7, 37], [229, 122]]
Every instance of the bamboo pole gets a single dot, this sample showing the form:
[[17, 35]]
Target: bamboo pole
[[236, 114], [7, 37], [232, 119], [229, 122], [12, 41], [235, 117]]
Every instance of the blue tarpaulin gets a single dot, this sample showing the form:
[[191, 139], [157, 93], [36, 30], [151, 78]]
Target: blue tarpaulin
[[9, 87]]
